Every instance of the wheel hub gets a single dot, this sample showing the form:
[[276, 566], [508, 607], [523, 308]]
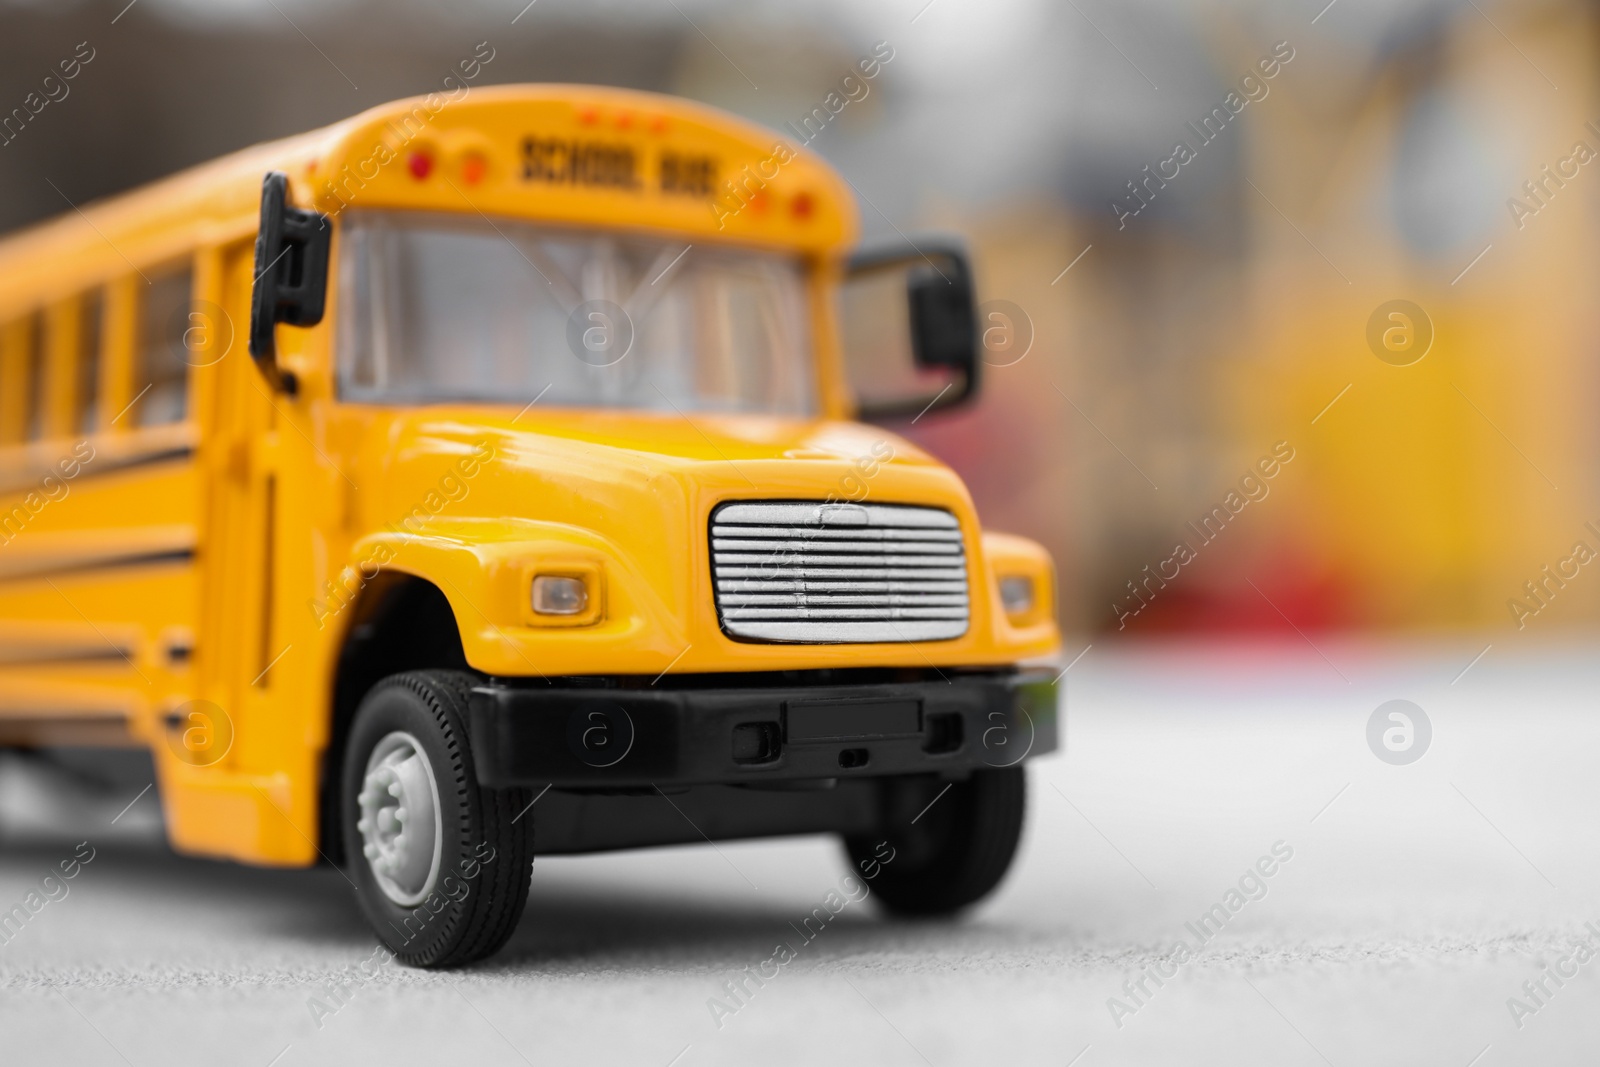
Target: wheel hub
[[400, 823]]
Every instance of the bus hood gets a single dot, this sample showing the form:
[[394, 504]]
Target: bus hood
[[598, 468], [478, 502]]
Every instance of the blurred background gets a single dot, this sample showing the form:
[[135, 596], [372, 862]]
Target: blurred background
[[1168, 325]]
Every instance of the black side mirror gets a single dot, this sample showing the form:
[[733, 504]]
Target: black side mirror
[[943, 319], [291, 274]]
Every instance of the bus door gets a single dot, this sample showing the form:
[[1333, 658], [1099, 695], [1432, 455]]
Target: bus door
[[239, 433]]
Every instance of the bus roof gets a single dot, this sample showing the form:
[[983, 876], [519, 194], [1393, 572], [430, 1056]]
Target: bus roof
[[574, 154]]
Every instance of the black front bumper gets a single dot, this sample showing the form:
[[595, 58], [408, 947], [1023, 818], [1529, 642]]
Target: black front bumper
[[726, 732]]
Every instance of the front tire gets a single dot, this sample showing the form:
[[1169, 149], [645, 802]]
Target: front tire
[[957, 850], [441, 864]]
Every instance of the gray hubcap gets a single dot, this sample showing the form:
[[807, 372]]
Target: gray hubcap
[[400, 825]]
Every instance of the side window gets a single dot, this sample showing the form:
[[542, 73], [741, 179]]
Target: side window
[[160, 369], [37, 377], [14, 388], [86, 364]]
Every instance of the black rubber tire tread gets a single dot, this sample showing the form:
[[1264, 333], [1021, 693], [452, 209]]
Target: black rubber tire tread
[[975, 839], [432, 705]]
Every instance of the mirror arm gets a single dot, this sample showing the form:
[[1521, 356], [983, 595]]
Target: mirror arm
[[952, 395], [886, 257]]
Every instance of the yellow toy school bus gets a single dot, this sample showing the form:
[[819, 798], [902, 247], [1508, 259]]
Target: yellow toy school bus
[[477, 478]]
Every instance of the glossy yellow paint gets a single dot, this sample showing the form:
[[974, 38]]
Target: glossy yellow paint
[[189, 586]]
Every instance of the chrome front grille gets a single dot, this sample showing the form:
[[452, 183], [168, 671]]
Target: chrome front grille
[[838, 573]]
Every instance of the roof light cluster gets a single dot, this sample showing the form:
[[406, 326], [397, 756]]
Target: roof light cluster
[[471, 166]]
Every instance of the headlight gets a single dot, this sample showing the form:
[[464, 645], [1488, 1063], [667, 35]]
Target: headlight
[[559, 594], [1016, 595]]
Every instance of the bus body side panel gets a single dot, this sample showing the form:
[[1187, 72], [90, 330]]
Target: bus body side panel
[[97, 587]]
